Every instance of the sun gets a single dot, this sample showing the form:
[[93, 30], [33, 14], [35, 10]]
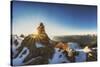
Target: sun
[[35, 33]]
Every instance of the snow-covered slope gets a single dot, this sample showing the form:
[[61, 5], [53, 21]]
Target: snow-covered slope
[[16, 43], [73, 45], [21, 57], [58, 57], [82, 53], [81, 57]]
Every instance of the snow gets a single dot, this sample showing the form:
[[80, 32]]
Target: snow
[[19, 39], [94, 48], [81, 57], [14, 46], [73, 45], [20, 58], [58, 57], [82, 52], [39, 45], [87, 49]]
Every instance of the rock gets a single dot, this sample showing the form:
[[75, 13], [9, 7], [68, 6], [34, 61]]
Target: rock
[[38, 45]]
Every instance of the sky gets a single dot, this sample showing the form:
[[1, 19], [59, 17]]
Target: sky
[[59, 19]]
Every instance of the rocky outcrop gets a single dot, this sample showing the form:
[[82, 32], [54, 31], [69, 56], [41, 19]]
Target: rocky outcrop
[[38, 45]]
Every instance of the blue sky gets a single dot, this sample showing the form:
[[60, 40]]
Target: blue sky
[[59, 19]]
